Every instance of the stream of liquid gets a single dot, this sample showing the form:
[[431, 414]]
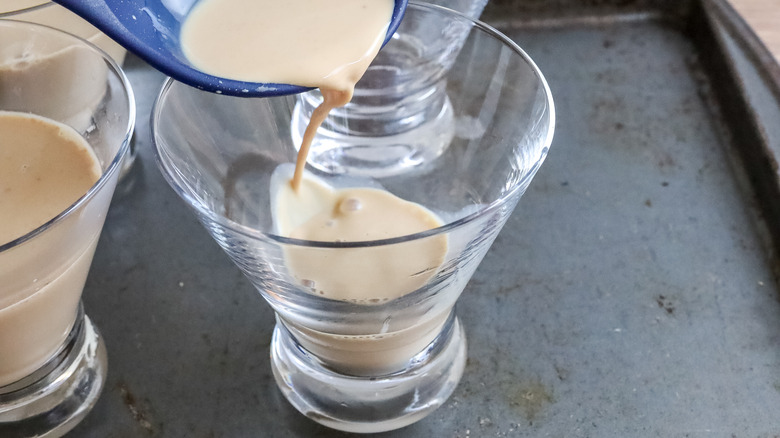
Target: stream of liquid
[[324, 44]]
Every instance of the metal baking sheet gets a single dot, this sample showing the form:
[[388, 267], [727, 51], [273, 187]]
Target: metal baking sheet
[[632, 293]]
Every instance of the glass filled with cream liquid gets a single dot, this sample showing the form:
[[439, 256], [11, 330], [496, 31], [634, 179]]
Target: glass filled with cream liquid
[[66, 116], [363, 271]]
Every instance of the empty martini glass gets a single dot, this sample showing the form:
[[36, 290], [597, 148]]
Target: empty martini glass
[[400, 116], [379, 360]]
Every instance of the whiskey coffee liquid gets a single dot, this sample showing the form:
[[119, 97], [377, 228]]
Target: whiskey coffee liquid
[[45, 167]]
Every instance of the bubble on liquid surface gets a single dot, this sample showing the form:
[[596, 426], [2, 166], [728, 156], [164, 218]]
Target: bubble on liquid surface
[[350, 205], [22, 60]]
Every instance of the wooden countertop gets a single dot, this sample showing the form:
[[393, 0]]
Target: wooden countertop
[[764, 17]]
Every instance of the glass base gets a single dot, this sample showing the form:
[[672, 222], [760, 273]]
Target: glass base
[[51, 401], [369, 404]]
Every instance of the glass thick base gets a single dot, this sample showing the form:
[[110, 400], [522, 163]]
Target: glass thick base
[[369, 404], [51, 401]]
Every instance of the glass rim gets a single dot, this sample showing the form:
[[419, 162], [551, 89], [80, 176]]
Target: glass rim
[[41, 4], [168, 171], [114, 165]]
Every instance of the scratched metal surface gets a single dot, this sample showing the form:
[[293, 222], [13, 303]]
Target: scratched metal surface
[[631, 293]]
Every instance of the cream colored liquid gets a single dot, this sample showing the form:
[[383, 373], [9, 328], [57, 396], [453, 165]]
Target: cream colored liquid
[[44, 168], [317, 212], [364, 275], [315, 43], [327, 44]]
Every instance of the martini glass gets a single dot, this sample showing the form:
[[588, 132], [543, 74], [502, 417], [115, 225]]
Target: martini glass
[[52, 358], [400, 116], [367, 363]]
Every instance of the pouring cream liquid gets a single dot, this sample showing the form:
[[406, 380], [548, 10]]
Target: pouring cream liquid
[[324, 44], [44, 168], [327, 44]]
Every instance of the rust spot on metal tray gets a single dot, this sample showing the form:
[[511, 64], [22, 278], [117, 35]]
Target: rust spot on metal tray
[[665, 303], [561, 372], [530, 397], [139, 415]]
